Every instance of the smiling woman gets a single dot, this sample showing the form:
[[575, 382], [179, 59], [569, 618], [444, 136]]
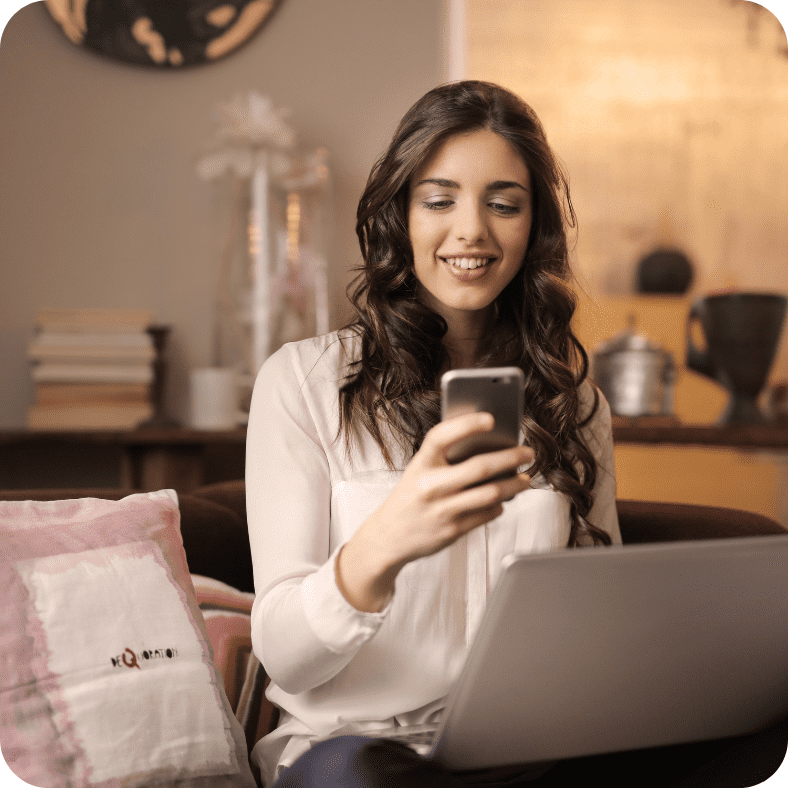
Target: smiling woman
[[373, 555], [169, 35]]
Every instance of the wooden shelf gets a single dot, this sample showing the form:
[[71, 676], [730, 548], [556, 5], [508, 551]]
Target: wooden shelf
[[126, 437], [184, 459], [145, 459], [767, 437]]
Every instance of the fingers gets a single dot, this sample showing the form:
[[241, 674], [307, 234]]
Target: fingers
[[475, 470], [445, 433], [471, 508], [476, 518], [491, 464], [477, 499]]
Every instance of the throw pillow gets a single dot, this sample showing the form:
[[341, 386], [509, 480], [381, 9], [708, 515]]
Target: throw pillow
[[107, 675]]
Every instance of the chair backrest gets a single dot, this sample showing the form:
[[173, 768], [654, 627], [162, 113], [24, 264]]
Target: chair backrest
[[652, 521], [213, 524]]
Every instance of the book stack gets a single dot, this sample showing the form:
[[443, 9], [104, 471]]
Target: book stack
[[92, 369]]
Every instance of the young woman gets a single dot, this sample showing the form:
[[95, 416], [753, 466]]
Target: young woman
[[373, 556]]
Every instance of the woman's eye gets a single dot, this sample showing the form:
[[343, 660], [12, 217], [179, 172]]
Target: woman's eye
[[437, 204], [504, 208]]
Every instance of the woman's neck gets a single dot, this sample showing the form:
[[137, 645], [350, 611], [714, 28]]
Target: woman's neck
[[463, 340], [465, 330], [462, 355]]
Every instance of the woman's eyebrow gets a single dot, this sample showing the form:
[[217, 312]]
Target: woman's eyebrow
[[497, 185], [447, 184], [494, 186]]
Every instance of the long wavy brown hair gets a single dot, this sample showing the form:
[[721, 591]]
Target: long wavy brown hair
[[393, 387]]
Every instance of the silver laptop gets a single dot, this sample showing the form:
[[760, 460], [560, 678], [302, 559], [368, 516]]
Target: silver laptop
[[598, 650]]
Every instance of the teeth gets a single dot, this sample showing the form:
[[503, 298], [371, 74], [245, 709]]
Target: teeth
[[467, 262]]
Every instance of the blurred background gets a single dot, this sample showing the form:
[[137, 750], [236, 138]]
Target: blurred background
[[672, 124]]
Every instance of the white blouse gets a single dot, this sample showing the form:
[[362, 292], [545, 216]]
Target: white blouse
[[333, 667]]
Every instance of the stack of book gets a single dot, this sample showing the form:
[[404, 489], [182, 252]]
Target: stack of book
[[92, 369]]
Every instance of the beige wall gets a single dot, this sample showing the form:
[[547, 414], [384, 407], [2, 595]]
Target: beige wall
[[673, 125], [100, 204]]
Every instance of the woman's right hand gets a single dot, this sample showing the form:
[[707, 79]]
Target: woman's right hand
[[431, 507]]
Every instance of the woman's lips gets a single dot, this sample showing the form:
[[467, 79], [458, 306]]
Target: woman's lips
[[460, 267]]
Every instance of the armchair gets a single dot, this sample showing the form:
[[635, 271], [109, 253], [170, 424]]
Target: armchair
[[214, 532]]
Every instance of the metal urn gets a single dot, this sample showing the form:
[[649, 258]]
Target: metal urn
[[636, 375]]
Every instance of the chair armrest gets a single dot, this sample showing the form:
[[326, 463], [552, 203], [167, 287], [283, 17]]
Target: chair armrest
[[653, 521]]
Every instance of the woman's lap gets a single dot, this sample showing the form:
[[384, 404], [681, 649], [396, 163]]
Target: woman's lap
[[360, 762], [356, 761]]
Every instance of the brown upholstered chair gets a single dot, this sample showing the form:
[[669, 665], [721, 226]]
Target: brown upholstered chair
[[214, 530]]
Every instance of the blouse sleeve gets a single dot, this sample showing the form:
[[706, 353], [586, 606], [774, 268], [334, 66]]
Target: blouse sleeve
[[599, 435], [303, 630]]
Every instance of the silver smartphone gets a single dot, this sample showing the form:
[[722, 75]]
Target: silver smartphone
[[496, 390]]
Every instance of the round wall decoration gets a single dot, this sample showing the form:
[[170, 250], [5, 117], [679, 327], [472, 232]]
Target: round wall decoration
[[174, 34]]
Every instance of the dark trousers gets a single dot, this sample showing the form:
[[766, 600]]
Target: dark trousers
[[360, 762]]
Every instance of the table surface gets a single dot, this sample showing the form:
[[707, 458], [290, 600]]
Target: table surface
[[169, 436], [644, 431], [738, 436]]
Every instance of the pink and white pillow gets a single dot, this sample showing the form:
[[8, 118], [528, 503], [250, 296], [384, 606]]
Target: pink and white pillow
[[107, 676]]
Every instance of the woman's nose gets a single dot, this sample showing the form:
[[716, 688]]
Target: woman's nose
[[469, 223]]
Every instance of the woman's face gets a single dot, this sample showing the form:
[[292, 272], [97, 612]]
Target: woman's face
[[469, 217]]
